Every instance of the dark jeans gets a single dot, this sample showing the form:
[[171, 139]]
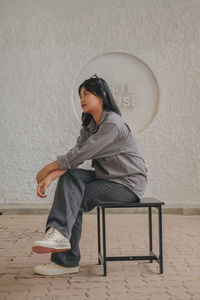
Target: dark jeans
[[79, 191]]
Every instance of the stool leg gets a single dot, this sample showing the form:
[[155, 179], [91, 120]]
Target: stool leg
[[104, 240], [160, 239], [150, 232], [98, 234]]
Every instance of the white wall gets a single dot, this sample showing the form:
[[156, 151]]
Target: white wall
[[43, 46]]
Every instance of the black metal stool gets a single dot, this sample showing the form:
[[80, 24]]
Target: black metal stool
[[145, 202]]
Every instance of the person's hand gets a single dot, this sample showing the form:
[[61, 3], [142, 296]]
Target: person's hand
[[42, 186], [42, 174]]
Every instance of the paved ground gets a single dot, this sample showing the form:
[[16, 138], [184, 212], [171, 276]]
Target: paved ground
[[128, 280]]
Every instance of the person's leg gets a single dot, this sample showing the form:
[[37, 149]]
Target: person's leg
[[67, 200], [103, 191], [71, 258], [65, 215], [96, 192]]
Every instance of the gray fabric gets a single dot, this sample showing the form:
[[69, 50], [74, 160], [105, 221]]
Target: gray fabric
[[78, 190], [112, 148]]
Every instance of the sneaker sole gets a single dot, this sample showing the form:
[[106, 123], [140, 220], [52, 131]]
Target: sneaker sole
[[43, 271], [42, 250]]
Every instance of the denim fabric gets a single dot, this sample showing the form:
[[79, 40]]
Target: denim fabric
[[79, 191]]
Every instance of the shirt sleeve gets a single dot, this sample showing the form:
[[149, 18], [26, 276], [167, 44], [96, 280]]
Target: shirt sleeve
[[91, 148], [81, 138]]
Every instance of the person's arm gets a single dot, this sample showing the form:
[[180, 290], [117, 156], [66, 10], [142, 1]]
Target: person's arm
[[43, 173], [54, 165], [45, 183], [93, 147], [81, 138], [56, 173]]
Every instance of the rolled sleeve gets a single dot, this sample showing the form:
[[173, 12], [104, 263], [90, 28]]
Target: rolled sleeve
[[63, 162], [92, 148]]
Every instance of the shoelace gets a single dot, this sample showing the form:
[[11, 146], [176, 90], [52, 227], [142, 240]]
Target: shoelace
[[51, 263], [51, 233]]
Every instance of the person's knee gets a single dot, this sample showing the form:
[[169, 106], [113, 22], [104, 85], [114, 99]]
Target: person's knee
[[67, 173], [61, 179], [75, 172], [66, 176], [72, 171]]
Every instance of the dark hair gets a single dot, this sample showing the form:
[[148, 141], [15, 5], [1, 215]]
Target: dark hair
[[99, 87]]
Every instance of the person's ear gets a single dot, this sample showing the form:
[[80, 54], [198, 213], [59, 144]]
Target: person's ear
[[100, 99]]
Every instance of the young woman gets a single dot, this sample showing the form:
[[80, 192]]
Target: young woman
[[120, 175]]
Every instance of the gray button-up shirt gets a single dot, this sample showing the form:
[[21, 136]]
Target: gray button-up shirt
[[112, 148]]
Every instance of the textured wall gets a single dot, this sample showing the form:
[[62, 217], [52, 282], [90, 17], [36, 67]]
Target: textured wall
[[43, 46]]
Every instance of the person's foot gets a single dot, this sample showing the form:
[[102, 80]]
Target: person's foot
[[54, 269], [53, 241]]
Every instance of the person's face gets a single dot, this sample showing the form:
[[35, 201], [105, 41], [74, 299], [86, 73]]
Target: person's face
[[89, 102]]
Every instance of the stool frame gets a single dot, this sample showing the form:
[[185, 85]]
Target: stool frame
[[145, 202]]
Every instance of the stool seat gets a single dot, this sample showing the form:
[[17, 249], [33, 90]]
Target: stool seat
[[144, 202]]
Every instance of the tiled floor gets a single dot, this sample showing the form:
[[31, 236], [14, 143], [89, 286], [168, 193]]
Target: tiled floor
[[127, 234]]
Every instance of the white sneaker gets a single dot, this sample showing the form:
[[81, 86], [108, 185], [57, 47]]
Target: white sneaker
[[54, 269], [53, 241]]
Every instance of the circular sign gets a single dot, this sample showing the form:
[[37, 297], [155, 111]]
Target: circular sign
[[132, 83]]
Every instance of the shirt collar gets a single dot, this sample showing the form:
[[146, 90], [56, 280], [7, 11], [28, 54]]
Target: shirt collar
[[92, 125]]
